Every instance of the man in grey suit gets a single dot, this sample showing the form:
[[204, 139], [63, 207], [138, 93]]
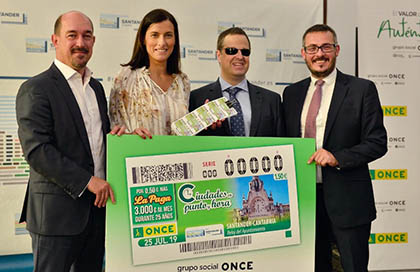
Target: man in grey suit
[[344, 115], [261, 112], [62, 118]]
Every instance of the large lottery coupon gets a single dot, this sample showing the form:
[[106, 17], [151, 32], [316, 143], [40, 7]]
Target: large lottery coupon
[[199, 204]]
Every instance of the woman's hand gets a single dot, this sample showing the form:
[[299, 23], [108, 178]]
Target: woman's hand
[[143, 133], [118, 130]]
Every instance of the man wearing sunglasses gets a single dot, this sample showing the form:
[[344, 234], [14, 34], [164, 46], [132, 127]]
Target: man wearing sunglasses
[[260, 111], [344, 115]]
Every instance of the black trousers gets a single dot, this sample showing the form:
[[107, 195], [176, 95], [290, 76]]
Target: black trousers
[[352, 243], [79, 253]]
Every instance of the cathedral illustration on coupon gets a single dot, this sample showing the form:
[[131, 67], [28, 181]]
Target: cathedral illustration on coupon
[[259, 203]]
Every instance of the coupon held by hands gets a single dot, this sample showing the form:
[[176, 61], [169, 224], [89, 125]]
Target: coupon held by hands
[[203, 117]]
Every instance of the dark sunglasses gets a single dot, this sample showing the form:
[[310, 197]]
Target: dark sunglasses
[[234, 51]]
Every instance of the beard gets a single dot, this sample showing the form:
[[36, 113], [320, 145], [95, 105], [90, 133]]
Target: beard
[[77, 62], [322, 74]]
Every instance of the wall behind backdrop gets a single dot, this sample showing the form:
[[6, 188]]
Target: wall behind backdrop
[[274, 27]]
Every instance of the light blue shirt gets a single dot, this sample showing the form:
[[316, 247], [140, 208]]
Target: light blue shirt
[[243, 98]]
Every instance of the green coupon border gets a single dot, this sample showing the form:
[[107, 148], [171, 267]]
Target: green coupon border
[[118, 234]]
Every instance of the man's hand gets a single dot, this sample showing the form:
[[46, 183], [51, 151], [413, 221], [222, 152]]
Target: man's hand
[[118, 130], [323, 157], [102, 190], [216, 124]]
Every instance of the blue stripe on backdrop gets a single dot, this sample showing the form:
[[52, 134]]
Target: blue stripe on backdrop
[[26, 78], [16, 263]]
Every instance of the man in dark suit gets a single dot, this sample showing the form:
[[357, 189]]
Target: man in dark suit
[[344, 115], [261, 112], [62, 118]]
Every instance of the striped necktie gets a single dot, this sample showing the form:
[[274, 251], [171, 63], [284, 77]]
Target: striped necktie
[[310, 124]]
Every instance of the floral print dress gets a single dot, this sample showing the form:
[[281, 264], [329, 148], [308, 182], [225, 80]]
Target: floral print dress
[[137, 101]]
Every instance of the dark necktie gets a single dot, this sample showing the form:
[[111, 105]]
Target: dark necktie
[[310, 124], [237, 125]]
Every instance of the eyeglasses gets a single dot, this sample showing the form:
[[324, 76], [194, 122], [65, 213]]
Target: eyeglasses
[[325, 48], [234, 51]]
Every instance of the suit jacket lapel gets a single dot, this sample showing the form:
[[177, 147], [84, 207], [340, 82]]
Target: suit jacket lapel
[[215, 91], [256, 105], [74, 109], [101, 105], [340, 92]]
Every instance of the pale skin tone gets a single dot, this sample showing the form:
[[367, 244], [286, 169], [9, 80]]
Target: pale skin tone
[[74, 44], [74, 41], [159, 42], [321, 65], [233, 68]]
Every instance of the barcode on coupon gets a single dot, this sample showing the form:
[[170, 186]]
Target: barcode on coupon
[[162, 173], [214, 244]]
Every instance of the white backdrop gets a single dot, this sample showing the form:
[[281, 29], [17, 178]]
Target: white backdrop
[[390, 56], [397, 80], [274, 26]]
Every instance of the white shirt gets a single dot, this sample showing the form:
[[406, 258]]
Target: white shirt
[[321, 118], [88, 105]]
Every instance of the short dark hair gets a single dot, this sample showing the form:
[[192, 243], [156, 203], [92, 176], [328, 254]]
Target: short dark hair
[[140, 58], [319, 28], [57, 24], [230, 31]]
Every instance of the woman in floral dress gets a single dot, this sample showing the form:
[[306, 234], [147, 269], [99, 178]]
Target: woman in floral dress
[[150, 91]]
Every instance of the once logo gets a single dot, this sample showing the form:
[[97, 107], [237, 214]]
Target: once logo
[[394, 110], [396, 139], [388, 238], [397, 202], [238, 266], [388, 174], [159, 230], [397, 76]]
